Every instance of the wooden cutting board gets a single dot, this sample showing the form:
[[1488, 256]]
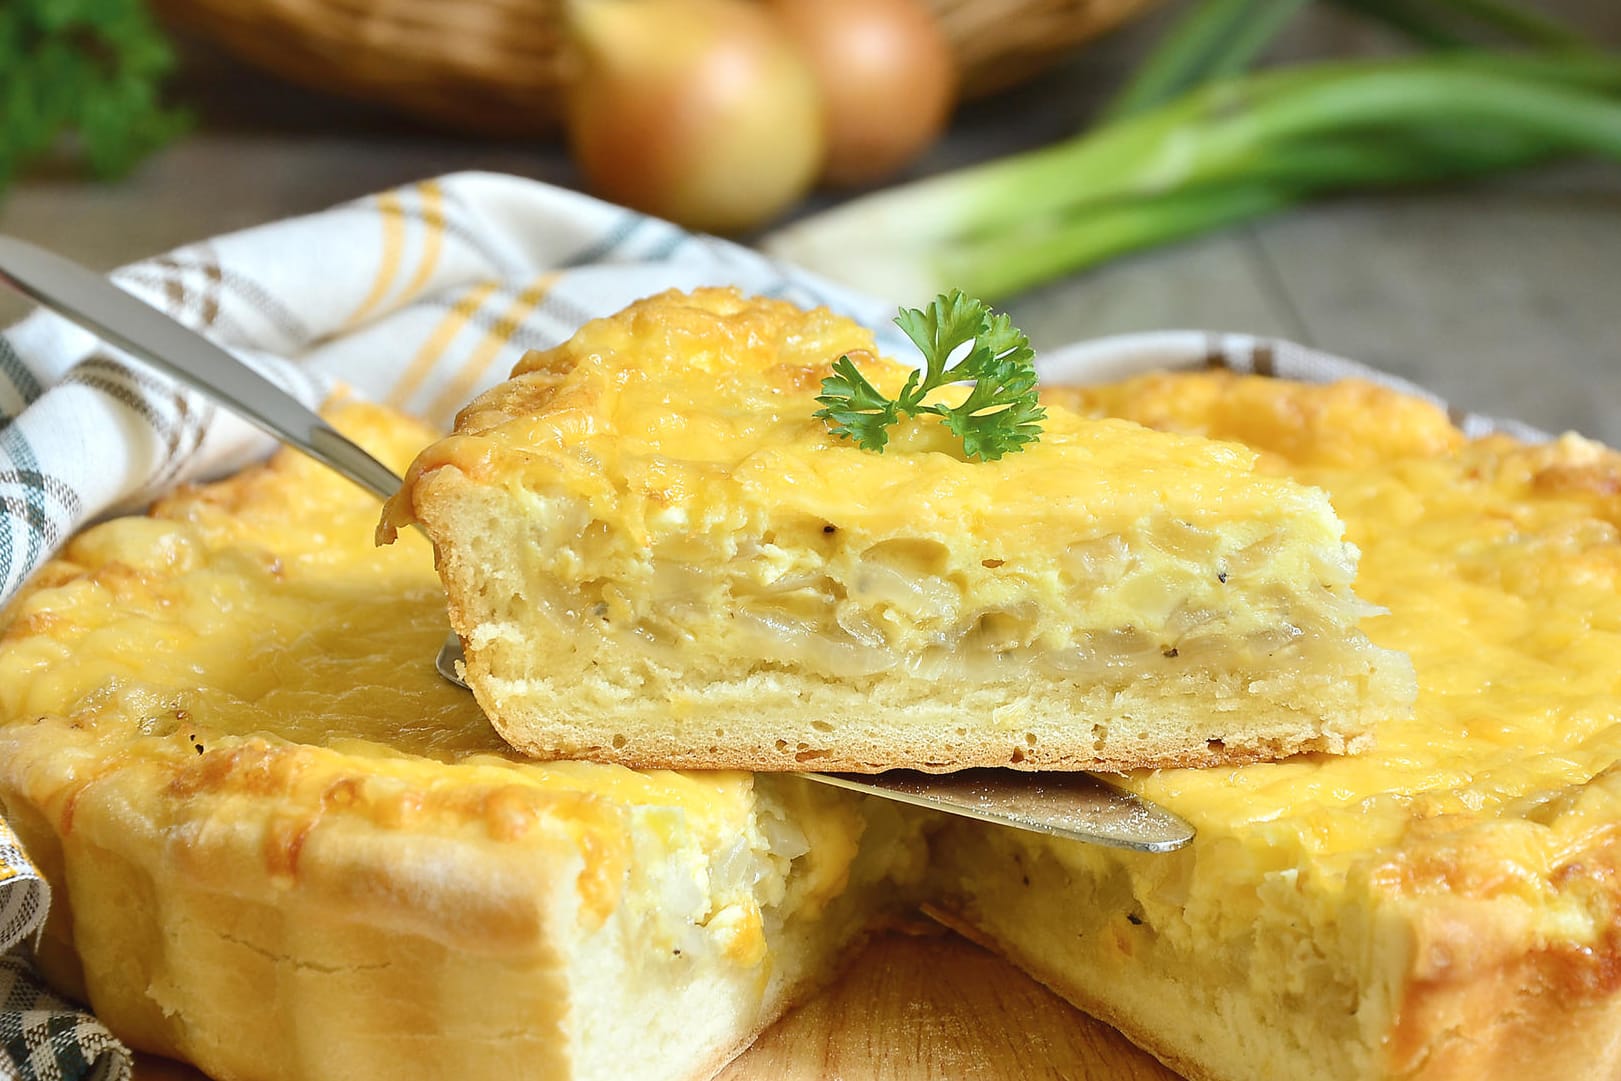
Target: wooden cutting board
[[917, 1009]]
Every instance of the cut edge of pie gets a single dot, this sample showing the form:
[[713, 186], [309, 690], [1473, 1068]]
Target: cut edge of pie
[[656, 555]]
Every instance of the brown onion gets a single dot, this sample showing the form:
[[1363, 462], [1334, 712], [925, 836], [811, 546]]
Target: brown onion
[[700, 111], [887, 76]]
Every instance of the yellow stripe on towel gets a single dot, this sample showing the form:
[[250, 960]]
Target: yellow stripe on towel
[[433, 222], [393, 220], [432, 350], [461, 385]]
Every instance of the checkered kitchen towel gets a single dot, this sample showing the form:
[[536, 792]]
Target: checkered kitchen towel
[[419, 297]]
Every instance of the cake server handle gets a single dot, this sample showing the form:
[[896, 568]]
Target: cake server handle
[[1074, 805], [86, 298]]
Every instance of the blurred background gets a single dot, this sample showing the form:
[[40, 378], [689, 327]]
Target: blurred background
[[1429, 186]]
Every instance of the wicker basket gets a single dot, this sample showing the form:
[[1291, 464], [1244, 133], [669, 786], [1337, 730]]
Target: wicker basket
[[495, 66]]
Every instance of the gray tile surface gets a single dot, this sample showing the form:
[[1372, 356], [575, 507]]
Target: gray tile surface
[[1505, 301], [1209, 283]]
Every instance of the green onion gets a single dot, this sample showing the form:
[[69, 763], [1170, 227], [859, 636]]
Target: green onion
[[1232, 150], [1413, 20], [1445, 23], [1214, 39]]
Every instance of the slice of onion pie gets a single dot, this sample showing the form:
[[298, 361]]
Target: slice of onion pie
[[657, 555]]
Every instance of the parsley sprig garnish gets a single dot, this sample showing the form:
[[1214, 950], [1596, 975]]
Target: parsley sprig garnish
[[1000, 414]]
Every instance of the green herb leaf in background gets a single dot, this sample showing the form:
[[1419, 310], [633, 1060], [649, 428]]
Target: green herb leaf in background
[[1001, 412], [82, 77]]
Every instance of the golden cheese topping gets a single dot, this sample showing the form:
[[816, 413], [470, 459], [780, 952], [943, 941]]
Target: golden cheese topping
[[1500, 567], [667, 465], [681, 410], [249, 638]]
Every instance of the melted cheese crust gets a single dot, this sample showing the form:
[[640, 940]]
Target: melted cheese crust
[[1500, 567], [1442, 907], [656, 447], [247, 646]]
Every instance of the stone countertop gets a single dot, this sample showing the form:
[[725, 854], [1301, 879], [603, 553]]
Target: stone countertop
[[1505, 298]]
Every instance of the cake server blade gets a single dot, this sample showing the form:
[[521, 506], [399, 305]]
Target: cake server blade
[[1065, 805], [1079, 806]]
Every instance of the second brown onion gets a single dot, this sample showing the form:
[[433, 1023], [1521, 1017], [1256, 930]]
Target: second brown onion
[[700, 111], [887, 76]]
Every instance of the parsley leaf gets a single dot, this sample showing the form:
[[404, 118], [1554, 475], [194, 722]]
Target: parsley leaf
[[82, 77], [1000, 414], [855, 408]]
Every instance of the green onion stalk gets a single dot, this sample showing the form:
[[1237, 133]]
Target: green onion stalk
[[1456, 23], [1215, 39], [1228, 151]]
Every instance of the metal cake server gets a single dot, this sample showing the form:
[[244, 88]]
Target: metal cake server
[[1080, 806], [1073, 805]]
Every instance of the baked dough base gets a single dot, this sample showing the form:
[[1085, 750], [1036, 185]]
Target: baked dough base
[[1443, 907]]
